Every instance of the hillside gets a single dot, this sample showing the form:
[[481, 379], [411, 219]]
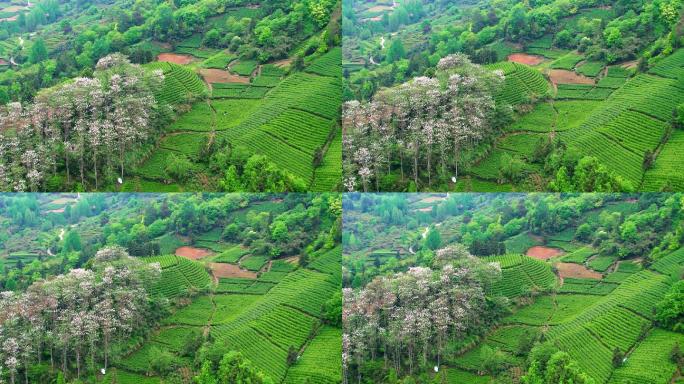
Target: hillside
[[507, 287], [172, 287], [593, 93], [231, 113]]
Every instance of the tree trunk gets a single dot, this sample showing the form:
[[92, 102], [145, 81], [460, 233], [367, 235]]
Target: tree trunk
[[121, 160], [82, 169], [415, 167], [429, 169], [66, 160], [78, 363], [95, 167], [456, 159]]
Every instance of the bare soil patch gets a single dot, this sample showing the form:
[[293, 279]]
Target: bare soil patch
[[14, 8], [282, 63], [576, 271], [222, 270], [380, 8], [192, 253], [543, 253], [292, 259], [175, 58], [12, 18], [63, 201], [561, 76], [212, 75], [427, 209], [60, 210], [630, 64], [527, 59], [432, 199]]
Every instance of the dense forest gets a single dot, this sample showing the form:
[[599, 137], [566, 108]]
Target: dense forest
[[513, 288], [585, 83], [195, 95], [179, 288]]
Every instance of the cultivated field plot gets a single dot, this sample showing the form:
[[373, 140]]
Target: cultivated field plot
[[289, 119], [261, 318], [599, 110]]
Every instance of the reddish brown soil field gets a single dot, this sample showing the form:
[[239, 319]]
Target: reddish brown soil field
[[192, 253], [543, 253], [432, 199], [524, 58], [561, 76], [577, 271], [175, 58], [220, 270], [212, 75]]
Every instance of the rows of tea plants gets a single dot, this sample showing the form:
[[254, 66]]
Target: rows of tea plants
[[328, 261], [650, 95], [180, 276], [671, 264], [197, 313], [218, 61], [330, 64], [284, 326], [590, 68], [522, 83], [579, 256], [567, 62], [666, 170], [198, 119], [602, 263], [329, 173], [180, 83], [231, 255], [254, 262], [302, 290], [188, 144], [610, 323], [650, 361], [583, 92], [321, 362], [671, 66], [228, 307], [317, 94], [244, 67], [311, 131], [521, 274], [238, 91], [587, 286]]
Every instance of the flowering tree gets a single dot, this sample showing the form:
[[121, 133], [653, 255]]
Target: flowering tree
[[428, 118], [80, 313], [409, 317], [86, 119]]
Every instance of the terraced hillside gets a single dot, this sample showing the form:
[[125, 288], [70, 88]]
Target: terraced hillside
[[263, 318], [590, 317], [618, 118], [290, 119]]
